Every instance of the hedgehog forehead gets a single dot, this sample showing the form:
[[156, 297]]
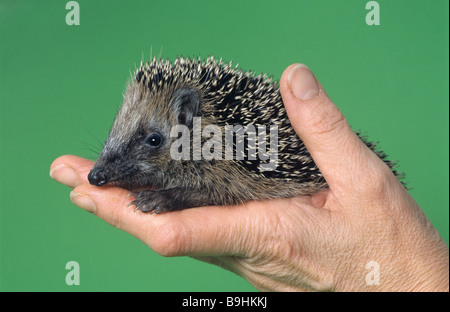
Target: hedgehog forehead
[[142, 113]]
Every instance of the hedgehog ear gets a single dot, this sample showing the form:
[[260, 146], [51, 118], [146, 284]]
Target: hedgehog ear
[[186, 104]]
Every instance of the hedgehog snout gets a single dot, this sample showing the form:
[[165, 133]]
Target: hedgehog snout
[[97, 176]]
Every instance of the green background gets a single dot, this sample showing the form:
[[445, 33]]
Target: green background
[[61, 85]]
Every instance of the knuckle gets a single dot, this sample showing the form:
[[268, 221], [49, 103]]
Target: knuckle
[[326, 120], [169, 240], [377, 180], [116, 218], [368, 176]]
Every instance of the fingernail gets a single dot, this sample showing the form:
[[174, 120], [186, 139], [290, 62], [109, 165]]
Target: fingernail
[[65, 175], [302, 82], [83, 201]]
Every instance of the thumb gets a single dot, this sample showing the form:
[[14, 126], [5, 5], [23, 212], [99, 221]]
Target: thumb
[[334, 147]]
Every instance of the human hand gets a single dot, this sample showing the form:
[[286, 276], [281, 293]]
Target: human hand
[[318, 242]]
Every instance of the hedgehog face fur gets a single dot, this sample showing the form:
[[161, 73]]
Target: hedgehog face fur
[[138, 146], [136, 155]]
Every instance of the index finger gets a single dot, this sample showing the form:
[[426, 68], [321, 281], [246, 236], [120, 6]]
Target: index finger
[[197, 231]]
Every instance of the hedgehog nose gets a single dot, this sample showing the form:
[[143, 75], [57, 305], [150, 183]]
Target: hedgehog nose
[[97, 177]]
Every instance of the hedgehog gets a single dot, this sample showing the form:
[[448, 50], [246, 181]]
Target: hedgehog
[[167, 147]]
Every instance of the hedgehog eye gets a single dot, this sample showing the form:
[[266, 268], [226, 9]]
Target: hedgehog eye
[[154, 140]]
